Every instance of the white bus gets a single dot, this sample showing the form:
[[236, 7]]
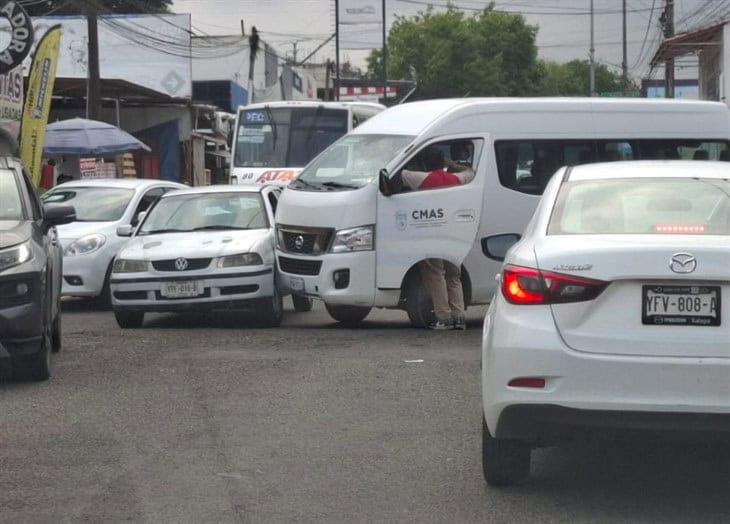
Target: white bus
[[351, 237], [274, 141]]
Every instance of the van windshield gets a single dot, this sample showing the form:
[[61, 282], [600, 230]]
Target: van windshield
[[353, 162]]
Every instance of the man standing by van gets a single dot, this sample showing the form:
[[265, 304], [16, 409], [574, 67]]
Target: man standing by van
[[441, 279]]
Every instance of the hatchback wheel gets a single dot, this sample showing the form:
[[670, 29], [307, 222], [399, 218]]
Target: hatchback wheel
[[504, 462], [272, 311], [129, 319]]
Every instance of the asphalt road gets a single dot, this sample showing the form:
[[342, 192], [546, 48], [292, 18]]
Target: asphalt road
[[207, 420]]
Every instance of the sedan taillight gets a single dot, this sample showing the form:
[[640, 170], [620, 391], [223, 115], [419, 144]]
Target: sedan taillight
[[527, 286]]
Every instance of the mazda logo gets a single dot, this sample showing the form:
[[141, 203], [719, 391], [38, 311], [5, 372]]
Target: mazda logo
[[181, 264], [299, 242], [683, 263]]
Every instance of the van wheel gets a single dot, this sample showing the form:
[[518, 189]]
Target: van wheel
[[348, 315], [301, 304], [419, 305], [504, 462], [129, 319], [271, 312]]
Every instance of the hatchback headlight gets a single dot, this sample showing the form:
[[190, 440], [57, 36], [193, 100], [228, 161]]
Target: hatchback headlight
[[84, 245], [243, 259], [355, 239], [15, 255], [129, 266]]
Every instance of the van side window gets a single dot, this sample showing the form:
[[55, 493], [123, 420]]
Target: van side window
[[526, 166], [439, 165]]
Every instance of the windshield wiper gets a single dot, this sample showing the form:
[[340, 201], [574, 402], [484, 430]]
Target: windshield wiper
[[339, 185], [270, 116], [304, 183], [218, 228]]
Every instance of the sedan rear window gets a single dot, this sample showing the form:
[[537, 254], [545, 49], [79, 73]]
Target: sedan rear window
[[639, 206]]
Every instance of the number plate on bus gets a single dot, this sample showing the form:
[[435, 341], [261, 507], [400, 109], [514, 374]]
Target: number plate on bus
[[681, 305], [191, 288]]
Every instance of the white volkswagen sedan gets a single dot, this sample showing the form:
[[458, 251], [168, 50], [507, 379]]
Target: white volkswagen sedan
[[201, 249], [91, 242], [613, 319]]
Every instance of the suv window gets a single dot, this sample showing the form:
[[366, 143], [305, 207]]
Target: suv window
[[35, 206], [11, 198]]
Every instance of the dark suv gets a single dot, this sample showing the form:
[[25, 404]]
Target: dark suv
[[30, 274]]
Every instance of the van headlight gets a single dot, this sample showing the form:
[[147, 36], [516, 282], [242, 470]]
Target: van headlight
[[354, 239], [84, 245], [122, 265], [15, 255], [243, 259]]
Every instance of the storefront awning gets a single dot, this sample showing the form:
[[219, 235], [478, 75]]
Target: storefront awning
[[113, 88], [686, 43]]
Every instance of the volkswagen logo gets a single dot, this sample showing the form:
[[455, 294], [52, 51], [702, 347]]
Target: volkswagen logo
[[181, 264], [299, 242], [683, 263]]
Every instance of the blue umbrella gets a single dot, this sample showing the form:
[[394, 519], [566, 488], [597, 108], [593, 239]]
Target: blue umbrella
[[88, 137]]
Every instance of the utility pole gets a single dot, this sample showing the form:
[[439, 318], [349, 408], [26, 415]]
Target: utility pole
[[337, 50], [592, 57], [294, 52], [93, 85], [385, 58], [668, 22], [328, 70], [625, 62]]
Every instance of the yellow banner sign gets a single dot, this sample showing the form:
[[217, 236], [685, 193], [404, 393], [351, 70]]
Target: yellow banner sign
[[41, 80]]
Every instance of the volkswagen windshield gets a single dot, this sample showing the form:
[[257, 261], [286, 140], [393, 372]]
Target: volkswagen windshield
[[351, 163]]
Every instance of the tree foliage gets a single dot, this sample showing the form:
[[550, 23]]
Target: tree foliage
[[452, 54], [486, 54], [75, 7]]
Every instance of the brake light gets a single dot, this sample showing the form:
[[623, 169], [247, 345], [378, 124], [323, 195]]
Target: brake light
[[678, 229], [527, 286], [527, 382]]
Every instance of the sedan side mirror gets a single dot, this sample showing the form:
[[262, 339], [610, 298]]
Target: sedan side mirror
[[125, 230], [139, 218], [496, 246], [384, 183], [56, 215]]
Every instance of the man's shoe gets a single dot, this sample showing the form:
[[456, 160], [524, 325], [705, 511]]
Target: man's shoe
[[460, 324], [440, 325]]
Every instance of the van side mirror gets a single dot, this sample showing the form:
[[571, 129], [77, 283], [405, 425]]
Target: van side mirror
[[384, 183], [496, 246], [56, 215], [125, 230]]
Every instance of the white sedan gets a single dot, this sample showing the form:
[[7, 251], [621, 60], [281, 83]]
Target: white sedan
[[613, 319], [201, 249]]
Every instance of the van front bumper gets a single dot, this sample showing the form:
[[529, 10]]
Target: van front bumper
[[315, 277]]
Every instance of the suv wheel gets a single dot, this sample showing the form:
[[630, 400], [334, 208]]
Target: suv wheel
[[504, 462], [56, 338], [301, 304], [37, 366], [348, 315], [129, 319]]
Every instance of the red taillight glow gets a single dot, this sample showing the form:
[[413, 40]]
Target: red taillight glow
[[527, 286], [679, 229], [527, 382]]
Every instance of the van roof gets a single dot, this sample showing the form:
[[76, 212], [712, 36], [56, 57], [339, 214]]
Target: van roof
[[416, 117]]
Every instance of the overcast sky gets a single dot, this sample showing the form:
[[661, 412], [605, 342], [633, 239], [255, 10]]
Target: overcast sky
[[563, 25]]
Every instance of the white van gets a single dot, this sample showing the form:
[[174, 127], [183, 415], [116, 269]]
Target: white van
[[342, 240], [274, 141]]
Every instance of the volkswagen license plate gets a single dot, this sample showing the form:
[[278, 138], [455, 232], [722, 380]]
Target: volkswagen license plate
[[681, 305], [186, 289]]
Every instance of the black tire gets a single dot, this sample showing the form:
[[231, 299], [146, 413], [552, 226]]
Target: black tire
[[129, 319], [419, 305], [56, 334], [271, 312], [301, 304], [104, 299], [348, 315], [504, 462], [36, 367]]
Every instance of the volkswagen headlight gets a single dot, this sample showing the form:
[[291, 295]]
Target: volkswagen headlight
[[355, 239], [14, 256], [243, 259], [84, 245], [122, 265]]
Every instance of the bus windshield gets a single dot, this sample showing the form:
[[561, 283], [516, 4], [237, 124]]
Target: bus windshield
[[286, 136]]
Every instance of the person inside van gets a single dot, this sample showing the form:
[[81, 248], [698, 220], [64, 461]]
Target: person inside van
[[441, 279]]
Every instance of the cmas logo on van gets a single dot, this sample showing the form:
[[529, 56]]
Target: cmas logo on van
[[420, 218]]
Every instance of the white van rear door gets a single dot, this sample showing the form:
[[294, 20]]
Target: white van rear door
[[434, 223]]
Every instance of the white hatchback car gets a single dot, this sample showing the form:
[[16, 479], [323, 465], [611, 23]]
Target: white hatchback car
[[613, 319], [91, 242], [201, 249]]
